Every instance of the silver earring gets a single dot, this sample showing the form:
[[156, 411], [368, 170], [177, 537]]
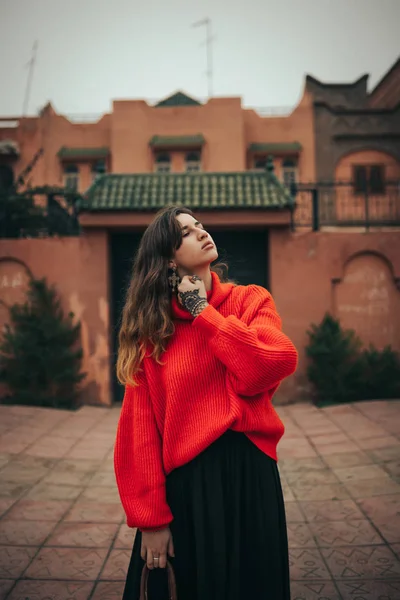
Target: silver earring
[[173, 279]]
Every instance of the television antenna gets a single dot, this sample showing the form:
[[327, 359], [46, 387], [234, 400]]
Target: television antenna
[[31, 64], [209, 41]]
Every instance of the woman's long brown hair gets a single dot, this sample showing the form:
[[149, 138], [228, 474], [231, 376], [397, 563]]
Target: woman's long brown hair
[[146, 324]]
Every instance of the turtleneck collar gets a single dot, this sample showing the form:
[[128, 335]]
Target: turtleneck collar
[[218, 293]]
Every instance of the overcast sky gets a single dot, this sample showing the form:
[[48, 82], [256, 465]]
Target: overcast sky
[[92, 51]]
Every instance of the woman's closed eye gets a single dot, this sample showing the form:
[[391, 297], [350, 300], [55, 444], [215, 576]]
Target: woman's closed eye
[[188, 232]]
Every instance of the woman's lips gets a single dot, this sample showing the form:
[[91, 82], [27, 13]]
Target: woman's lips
[[208, 246]]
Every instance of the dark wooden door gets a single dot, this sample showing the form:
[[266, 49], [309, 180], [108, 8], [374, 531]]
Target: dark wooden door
[[123, 249], [246, 253]]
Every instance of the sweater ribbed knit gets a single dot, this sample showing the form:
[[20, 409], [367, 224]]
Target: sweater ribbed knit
[[219, 372]]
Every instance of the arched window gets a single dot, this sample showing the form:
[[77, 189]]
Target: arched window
[[71, 178], [289, 172], [193, 162], [98, 169], [163, 163], [6, 177]]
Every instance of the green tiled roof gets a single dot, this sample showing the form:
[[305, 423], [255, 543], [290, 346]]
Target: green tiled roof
[[82, 153], [177, 141], [146, 192], [273, 148], [178, 99]]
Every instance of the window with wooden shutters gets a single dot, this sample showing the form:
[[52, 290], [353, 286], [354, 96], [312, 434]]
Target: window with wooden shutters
[[163, 163], [71, 178], [360, 179], [98, 169], [289, 173], [377, 179], [369, 178], [193, 162], [260, 163]]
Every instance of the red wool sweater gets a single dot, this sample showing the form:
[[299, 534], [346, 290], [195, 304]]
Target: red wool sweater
[[220, 371]]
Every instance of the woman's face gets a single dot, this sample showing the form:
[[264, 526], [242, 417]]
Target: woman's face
[[197, 249]]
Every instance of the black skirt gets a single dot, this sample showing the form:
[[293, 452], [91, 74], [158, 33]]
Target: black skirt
[[229, 528]]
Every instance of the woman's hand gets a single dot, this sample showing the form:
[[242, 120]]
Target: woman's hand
[[192, 294], [157, 543]]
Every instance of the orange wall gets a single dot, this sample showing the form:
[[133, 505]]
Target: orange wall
[[220, 121], [50, 132], [368, 300], [78, 267], [57, 131], [227, 128], [297, 127], [308, 272], [351, 275]]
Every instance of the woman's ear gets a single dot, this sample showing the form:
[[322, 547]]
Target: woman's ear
[[171, 264]]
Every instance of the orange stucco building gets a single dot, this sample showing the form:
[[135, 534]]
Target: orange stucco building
[[138, 138], [320, 230]]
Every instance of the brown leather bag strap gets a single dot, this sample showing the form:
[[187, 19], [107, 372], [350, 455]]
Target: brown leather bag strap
[[171, 583]]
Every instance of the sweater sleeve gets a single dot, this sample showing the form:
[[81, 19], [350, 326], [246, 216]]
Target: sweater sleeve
[[257, 355], [138, 461]]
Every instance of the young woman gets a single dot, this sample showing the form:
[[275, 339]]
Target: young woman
[[195, 455]]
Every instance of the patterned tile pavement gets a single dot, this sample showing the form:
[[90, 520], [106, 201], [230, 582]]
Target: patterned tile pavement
[[62, 531]]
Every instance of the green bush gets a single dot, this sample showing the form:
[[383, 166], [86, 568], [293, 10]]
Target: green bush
[[20, 217], [40, 354], [342, 371], [334, 368], [381, 370]]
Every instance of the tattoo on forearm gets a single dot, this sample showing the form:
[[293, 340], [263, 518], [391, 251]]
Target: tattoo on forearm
[[192, 302], [200, 307]]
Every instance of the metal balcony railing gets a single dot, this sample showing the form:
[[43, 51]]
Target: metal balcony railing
[[338, 204]]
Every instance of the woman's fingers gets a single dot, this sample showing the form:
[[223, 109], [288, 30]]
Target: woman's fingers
[[156, 560], [150, 559], [162, 562], [171, 550], [143, 551], [189, 285]]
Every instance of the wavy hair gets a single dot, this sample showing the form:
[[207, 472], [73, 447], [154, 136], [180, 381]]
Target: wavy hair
[[146, 322]]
